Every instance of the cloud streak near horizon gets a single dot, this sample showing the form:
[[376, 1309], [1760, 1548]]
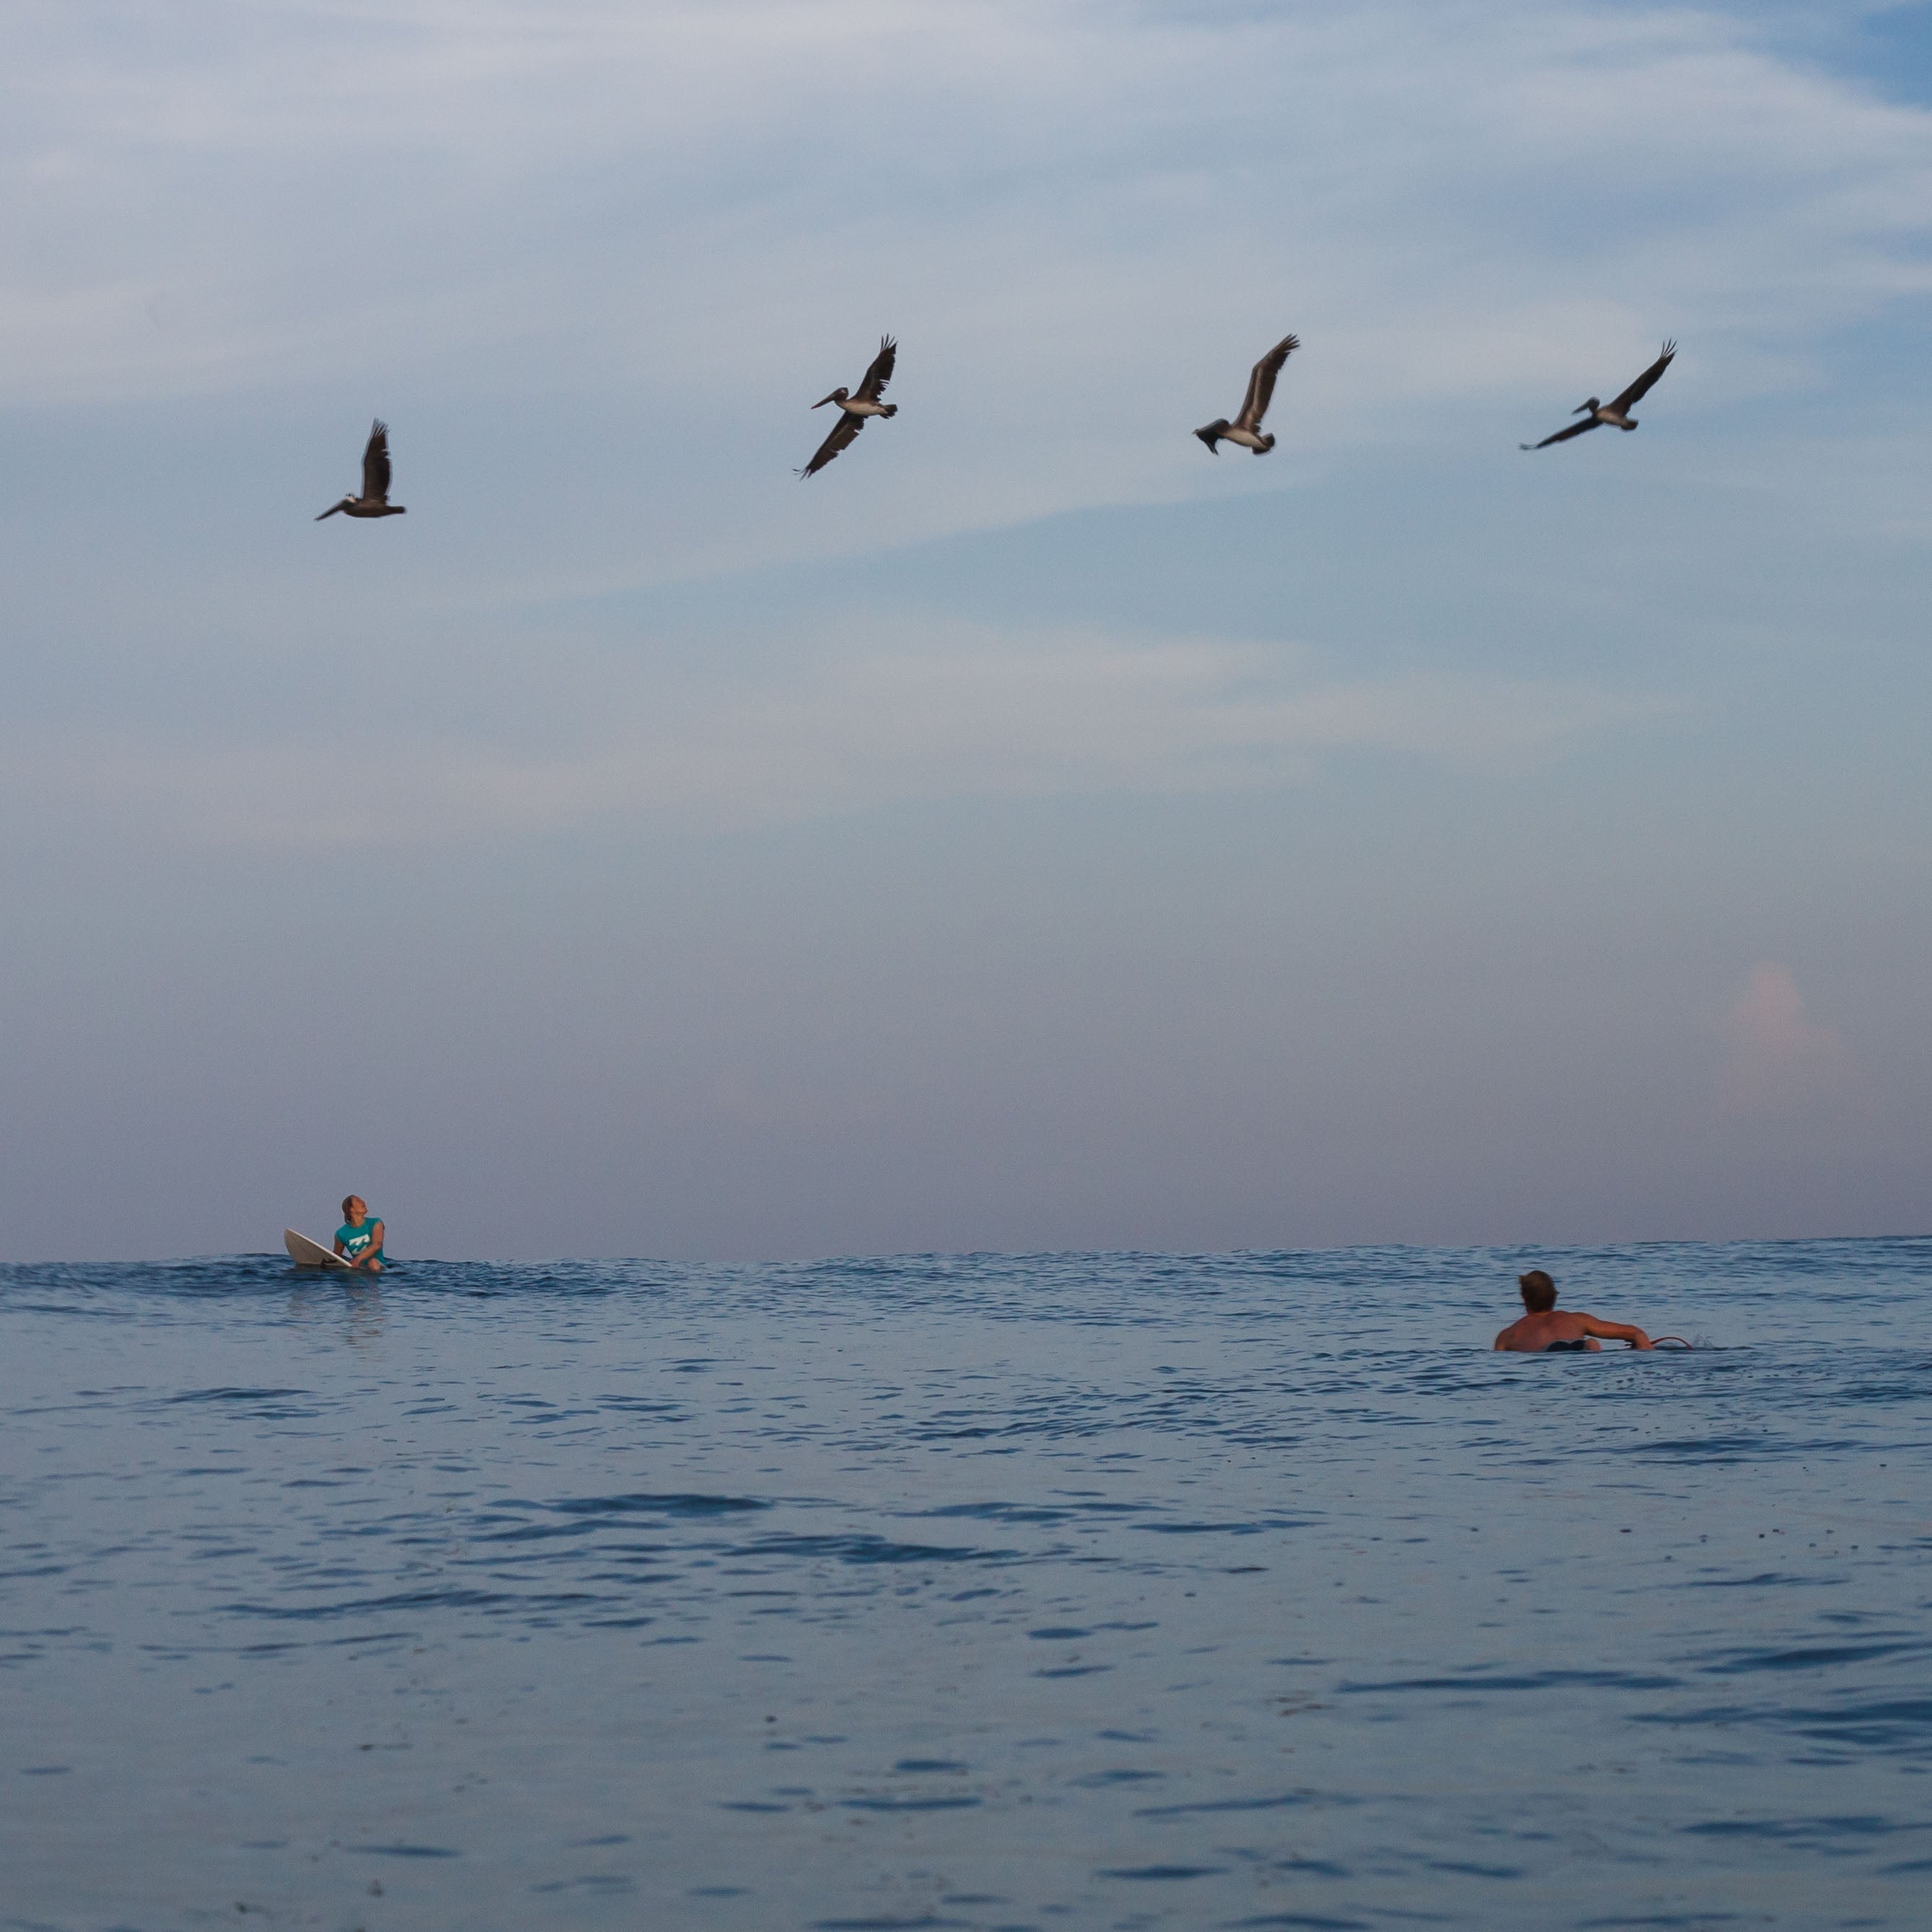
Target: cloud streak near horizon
[[857, 721]]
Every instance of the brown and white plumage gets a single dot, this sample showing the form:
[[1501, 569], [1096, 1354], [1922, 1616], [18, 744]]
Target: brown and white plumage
[[1246, 429], [1617, 410], [854, 409], [374, 500]]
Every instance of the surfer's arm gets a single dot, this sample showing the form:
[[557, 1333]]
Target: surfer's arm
[[373, 1253], [1616, 1331]]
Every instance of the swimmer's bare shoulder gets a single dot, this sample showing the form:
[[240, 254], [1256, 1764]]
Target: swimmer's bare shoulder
[[1544, 1326]]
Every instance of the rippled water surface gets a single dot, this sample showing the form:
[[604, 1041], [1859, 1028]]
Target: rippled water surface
[[1087, 1591]]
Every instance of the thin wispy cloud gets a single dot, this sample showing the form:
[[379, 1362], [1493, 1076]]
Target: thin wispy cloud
[[906, 714]]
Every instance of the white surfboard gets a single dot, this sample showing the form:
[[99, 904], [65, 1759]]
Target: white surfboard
[[305, 1253]]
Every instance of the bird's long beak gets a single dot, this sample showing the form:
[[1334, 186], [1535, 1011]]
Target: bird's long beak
[[824, 399], [331, 510]]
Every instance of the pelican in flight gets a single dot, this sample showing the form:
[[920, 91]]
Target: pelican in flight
[[1595, 413], [853, 410], [374, 500], [1246, 429]]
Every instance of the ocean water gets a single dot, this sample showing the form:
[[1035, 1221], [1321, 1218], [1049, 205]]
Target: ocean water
[[1084, 1591]]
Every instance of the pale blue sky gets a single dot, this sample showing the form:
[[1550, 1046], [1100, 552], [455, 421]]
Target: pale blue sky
[[1031, 832]]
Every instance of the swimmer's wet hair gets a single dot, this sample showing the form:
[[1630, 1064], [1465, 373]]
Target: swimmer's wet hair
[[1539, 1291]]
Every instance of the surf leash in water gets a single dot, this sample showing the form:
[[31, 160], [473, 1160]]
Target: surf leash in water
[[1675, 1341]]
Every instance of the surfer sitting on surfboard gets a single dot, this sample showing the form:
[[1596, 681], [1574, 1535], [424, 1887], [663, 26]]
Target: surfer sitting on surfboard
[[359, 1239], [1545, 1327]]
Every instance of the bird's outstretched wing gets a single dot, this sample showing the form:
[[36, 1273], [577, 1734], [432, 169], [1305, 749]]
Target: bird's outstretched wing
[[877, 376], [843, 431], [376, 465], [1261, 382], [1640, 388], [1564, 435]]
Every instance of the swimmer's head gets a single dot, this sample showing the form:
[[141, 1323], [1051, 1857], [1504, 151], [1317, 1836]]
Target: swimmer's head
[[1539, 1291], [350, 1202]]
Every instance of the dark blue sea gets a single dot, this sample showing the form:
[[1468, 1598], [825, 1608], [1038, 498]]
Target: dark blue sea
[[1076, 1590]]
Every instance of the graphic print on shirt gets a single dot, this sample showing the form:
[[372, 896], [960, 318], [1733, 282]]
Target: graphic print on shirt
[[355, 1241]]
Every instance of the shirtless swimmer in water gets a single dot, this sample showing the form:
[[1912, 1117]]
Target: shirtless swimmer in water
[[1547, 1327]]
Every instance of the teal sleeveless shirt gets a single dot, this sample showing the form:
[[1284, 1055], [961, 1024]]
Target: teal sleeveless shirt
[[355, 1241]]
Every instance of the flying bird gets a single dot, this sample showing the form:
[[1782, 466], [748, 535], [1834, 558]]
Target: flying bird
[[1246, 429], [374, 500], [853, 410], [1595, 413]]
